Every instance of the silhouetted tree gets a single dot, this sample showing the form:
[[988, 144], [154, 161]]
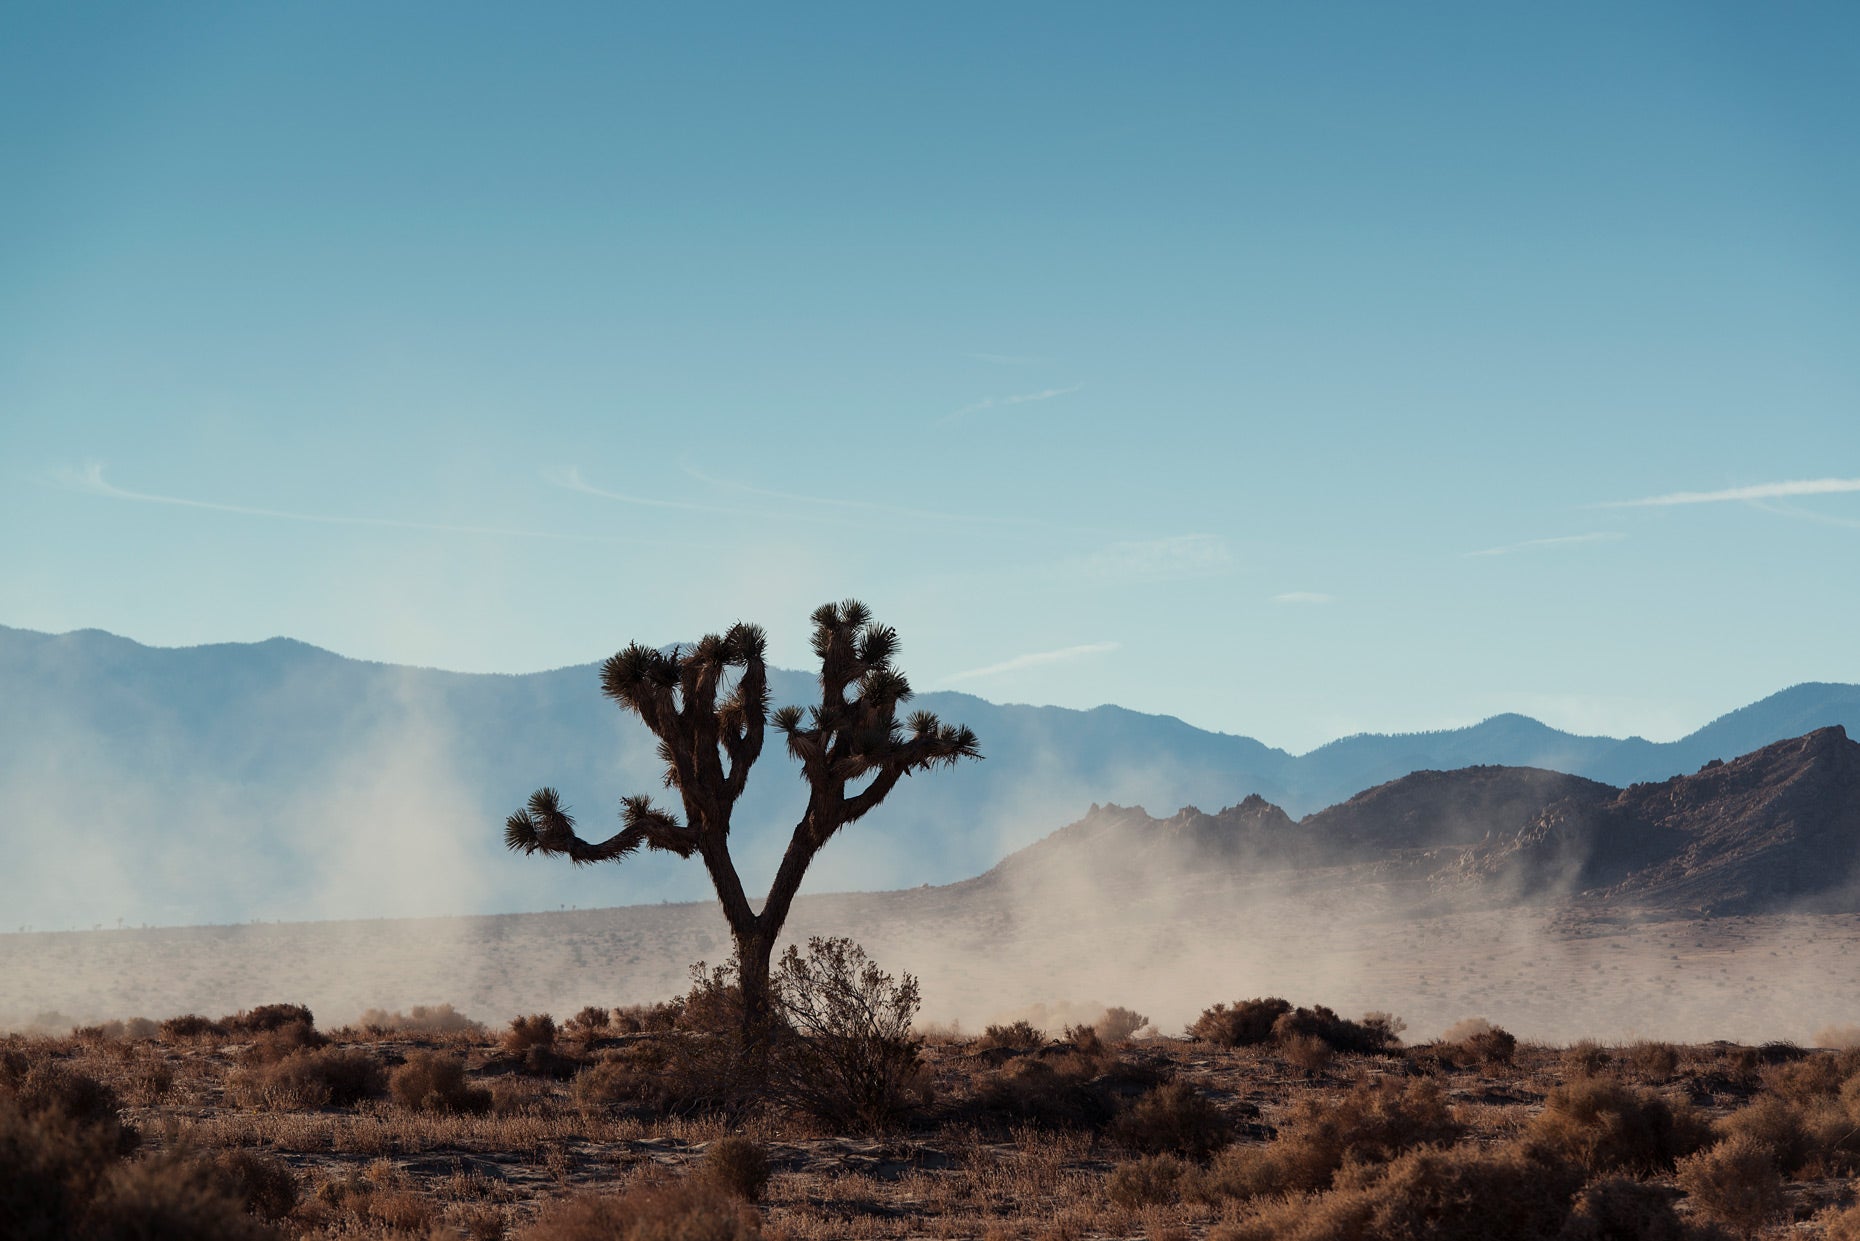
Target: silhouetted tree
[[708, 704]]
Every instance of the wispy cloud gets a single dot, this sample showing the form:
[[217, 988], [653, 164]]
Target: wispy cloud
[[1802, 514], [1185, 555], [90, 480], [1304, 596], [1565, 540], [570, 479], [1002, 402], [872, 506], [1755, 491], [1034, 660]]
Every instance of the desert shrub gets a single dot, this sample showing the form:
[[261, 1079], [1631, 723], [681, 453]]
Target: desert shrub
[[622, 1081], [1491, 1047], [420, 1019], [1618, 1209], [1651, 1062], [648, 1018], [738, 1166], [1734, 1182], [1246, 1024], [50, 1166], [1601, 1125], [679, 1211], [1806, 1080], [1061, 1093], [1308, 1053], [263, 1183], [1775, 1124], [1442, 1195], [1174, 1118], [45, 1088], [432, 1081], [1373, 1123], [277, 1042], [190, 1026], [588, 1025], [1839, 1225], [714, 1004], [848, 1055], [1585, 1059], [1152, 1181], [535, 1030], [1014, 1036], [167, 1196], [331, 1077], [267, 1017], [1119, 1024], [1339, 1033]]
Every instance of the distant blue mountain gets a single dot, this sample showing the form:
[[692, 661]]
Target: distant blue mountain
[[277, 780]]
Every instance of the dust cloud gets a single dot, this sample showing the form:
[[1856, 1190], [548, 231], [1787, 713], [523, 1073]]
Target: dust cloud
[[1053, 942]]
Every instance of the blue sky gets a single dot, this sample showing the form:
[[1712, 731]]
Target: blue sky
[[1296, 370]]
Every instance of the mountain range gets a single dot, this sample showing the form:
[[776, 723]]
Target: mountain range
[[276, 780], [1776, 830]]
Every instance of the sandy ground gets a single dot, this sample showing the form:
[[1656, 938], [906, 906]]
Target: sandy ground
[[983, 955]]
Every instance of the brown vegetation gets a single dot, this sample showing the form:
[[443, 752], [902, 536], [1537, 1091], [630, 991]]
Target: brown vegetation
[[1011, 1134]]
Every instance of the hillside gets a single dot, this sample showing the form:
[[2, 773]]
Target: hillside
[[1772, 831], [276, 780]]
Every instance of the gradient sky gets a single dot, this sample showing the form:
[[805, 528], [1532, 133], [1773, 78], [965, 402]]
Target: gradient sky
[[1293, 369]]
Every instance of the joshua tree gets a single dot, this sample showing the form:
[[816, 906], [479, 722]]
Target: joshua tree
[[851, 747]]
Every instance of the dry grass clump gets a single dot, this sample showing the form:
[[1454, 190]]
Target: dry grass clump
[[1457, 1194], [1155, 1180], [1373, 1123], [1837, 1224], [1811, 1078], [1602, 1125], [737, 1166], [263, 1183], [189, 1027], [1616, 1208], [329, 1077], [1735, 1183], [1017, 1036], [434, 1081], [1174, 1118], [1654, 1063], [680, 1211]]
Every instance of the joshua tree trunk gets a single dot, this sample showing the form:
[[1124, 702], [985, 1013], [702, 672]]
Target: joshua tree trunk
[[851, 741]]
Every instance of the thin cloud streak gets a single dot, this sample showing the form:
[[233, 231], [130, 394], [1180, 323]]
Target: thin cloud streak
[[871, 506], [1002, 402], [1034, 660], [91, 481], [570, 479], [1802, 514], [1566, 540], [1756, 491], [1182, 556], [1304, 596]]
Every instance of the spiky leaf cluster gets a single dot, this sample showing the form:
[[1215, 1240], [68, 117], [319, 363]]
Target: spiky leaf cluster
[[855, 731]]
